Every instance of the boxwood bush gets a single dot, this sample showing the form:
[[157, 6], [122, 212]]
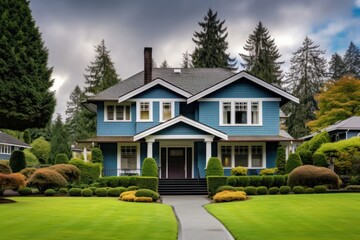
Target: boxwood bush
[[319, 160], [24, 191], [232, 181], [96, 155], [268, 171], [213, 182], [267, 181], [149, 168], [274, 190], [240, 189], [285, 189], [243, 181], [298, 189], [151, 183], [214, 167], [262, 190], [239, 171], [49, 192], [255, 181], [45, 178], [63, 191], [17, 161], [250, 190], [86, 192], [114, 192], [306, 157], [293, 162], [147, 193], [101, 192], [90, 172], [309, 190], [279, 180], [132, 188], [61, 158], [320, 189], [225, 187], [75, 192]]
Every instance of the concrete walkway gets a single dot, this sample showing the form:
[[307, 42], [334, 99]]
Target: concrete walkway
[[195, 222]]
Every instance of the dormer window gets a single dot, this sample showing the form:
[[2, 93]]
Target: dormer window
[[118, 112], [144, 111], [166, 111], [242, 112]]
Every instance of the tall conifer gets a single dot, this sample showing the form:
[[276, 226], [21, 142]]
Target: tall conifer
[[336, 67], [352, 60]]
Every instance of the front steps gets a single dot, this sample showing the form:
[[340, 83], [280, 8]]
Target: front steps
[[183, 187]]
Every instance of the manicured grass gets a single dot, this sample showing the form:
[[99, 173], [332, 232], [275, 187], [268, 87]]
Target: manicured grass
[[314, 216], [85, 218]]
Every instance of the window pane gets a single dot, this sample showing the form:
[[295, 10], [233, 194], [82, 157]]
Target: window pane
[[226, 113], [127, 112], [110, 112], [144, 111], [119, 112], [128, 157], [166, 111], [255, 113], [256, 156], [226, 156], [241, 156], [241, 112]]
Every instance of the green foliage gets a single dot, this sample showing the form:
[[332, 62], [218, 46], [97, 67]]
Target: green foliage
[[132, 188], [320, 189], [26, 99], [147, 193], [11, 181], [27, 172], [30, 158], [63, 191], [41, 149], [90, 172], [25, 191], [151, 183], [149, 168], [279, 180], [4, 168], [70, 172], [61, 158], [267, 181], [293, 162], [311, 176], [213, 182], [355, 188], [86, 192], [49, 192], [239, 171], [250, 190], [214, 167], [268, 171], [240, 189], [274, 190], [225, 187], [309, 190], [114, 192], [255, 181], [285, 189], [232, 181], [96, 155], [101, 192], [280, 159], [44, 178], [262, 190], [306, 157], [17, 161], [298, 189], [330, 149], [319, 160], [27, 137], [237, 181], [6, 162], [60, 142], [75, 192], [318, 140]]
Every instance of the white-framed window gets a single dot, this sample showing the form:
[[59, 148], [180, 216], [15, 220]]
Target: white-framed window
[[144, 111], [128, 158], [240, 112], [7, 149], [167, 110], [250, 155], [117, 112]]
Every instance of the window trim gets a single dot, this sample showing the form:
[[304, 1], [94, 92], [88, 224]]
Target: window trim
[[118, 164], [115, 105], [138, 104], [249, 145], [161, 108], [232, 107]]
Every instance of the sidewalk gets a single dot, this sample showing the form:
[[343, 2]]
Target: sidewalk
[[195, 222]]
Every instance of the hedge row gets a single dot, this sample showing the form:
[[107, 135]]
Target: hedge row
[[151, 183]]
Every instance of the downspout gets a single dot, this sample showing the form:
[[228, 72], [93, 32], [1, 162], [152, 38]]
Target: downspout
[[346, 133]]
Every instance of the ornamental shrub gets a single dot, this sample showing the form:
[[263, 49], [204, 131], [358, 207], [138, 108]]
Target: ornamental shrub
[[311, 176], [49, 192], [89, 172], [232, 181], [61, 158], [27, 172], [285, 189], [214, 167], [320, 189], [17, 161], [147, 193], [93, 189], [151, 183], [101, 192], [149, 168], [5, 168], [45, 178], [13, 181], [30, 158], [124, 181], [225, 187], [213, 182], [279, 180], [355, 188], [255, 181], [96, 155], [280, 159], [68, 171], [24, 191], [41, 149], [132, 188], [262, 190], [250, 190], [114, 192], [298, 189], [268, 171], [239, 171], [319, 160], [273, 190], [143, 199], [63, 191], [306, 157], [309, 190], [318, 140], [228, 196], [75, 192], [133, 180], [293, 162], [87, 192], [243, 181], [128, 196], [267, 181], [240, 189]]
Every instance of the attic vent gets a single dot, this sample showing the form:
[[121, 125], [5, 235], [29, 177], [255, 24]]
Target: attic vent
[[177, 71]]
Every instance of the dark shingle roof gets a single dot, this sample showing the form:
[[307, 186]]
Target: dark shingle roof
[[192, 80], [9, 140]]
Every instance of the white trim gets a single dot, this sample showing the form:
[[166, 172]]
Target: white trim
[[150, 111], [177, 120], [177, 137], [118, 164], [237, 77], [248, 102], [157, 81], [157, 99], [115, 104], [161, 109], [15, 145], [240, 99]]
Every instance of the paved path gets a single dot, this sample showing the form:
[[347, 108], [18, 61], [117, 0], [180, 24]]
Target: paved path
[[195, 222]]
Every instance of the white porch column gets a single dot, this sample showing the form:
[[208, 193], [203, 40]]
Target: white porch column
[[150, 148], [85, 154], [208, 151]]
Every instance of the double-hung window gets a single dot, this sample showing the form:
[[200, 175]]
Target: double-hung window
[[240, 113], [117, 112], [248, 155], [144, 111], [166, 111]]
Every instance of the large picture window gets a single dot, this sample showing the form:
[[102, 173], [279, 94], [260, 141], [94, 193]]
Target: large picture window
[[240, 113], [226, 156], [118, 112], [248, 155], [128, 158]]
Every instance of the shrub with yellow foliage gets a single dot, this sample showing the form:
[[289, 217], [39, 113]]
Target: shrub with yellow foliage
[[228, 196]]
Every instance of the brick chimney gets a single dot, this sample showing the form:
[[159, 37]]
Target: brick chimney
[[147, 65]]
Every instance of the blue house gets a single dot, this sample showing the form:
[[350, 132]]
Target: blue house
[[182, 117], [8, 144]]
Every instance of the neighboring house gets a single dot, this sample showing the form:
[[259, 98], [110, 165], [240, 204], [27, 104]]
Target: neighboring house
[[8, 144], [182, 117], [341, 130]]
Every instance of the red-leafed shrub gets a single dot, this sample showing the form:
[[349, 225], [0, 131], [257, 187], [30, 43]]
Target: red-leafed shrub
[[45, 178], [70, 172], [27, 172], [11, 181]]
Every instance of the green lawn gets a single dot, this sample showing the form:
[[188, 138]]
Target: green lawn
[[305, 217], [85, 218]]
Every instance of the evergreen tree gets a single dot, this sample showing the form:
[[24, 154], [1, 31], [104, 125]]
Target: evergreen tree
[[262, 58], [25, 98], [27, 137], [164, 64], [186, 60], [352, 60], [59, 140], [101, 73], [211, 44], [336, 67], [304, 79]]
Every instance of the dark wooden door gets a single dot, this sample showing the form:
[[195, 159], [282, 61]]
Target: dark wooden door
[[176, 163]]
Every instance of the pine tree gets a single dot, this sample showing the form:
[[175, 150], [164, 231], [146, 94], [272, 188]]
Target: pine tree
[[25, 97], [101, 73], [336, 67], [352, 60], [262, 58], [186, 60], [27, 137], [211, 44], [306, 75], [59, 140], [164, 64]]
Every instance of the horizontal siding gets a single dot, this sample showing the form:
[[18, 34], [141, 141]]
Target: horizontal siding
[[4, 156], [158, 92], [181, 129]]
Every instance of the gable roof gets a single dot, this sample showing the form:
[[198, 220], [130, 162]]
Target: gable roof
[[179, 119], [9, 140]]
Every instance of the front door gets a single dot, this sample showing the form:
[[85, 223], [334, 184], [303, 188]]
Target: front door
[[176, 163]]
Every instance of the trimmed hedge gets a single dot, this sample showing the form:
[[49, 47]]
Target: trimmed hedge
[[115, 192], [61, 158], [70, 172], [320, 189], [90, 172], [274, 190], [4, 168], [63, 191], [267, 181], [151, 183], [86, 192], [101, 192], [309, 191], [24, 191], [262, 190], [11, 181], [149, 168], [239, 171], [45, 178], [279, 180], [319, 160], [250, 190], [17, 161], [75, 192], [132, 188], [225, 187], [96, 155], [285, 189], [255, 181], [238, 181], [214, 167], [298, 190], [147, 193], [49, 192], [213, 182], [306, 157], [293, 162]]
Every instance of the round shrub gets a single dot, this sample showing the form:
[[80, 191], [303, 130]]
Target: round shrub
[[298, 189], [228, 196], [149, 168], [27, 172], [24, 191], [63, 191], [132, 188], [95, 184], [147, 193], [13, 181], [75, 192], [319, 160], [227, 188], [114, 192], [4, 168], [255, 181], [44, 178], [86, 192], [96, 155], [262, 190], [285, 189], [320, 189], [101, 192], [143, 199], [68, 171], [239, 189], [214, 167], [232, 181], [17, 161], [293, 162], [127, 196], [279, 180], [243, 181], [93, 189], [121, 189], [273, 190], [49, 192], [309, 190], [239, 171], [30, 158], [61, 158], [311, 176], [267, 181], [250, 190], [268, 171], [306, 157]]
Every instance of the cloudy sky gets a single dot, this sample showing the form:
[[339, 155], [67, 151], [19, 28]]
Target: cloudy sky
[[71, 29]]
